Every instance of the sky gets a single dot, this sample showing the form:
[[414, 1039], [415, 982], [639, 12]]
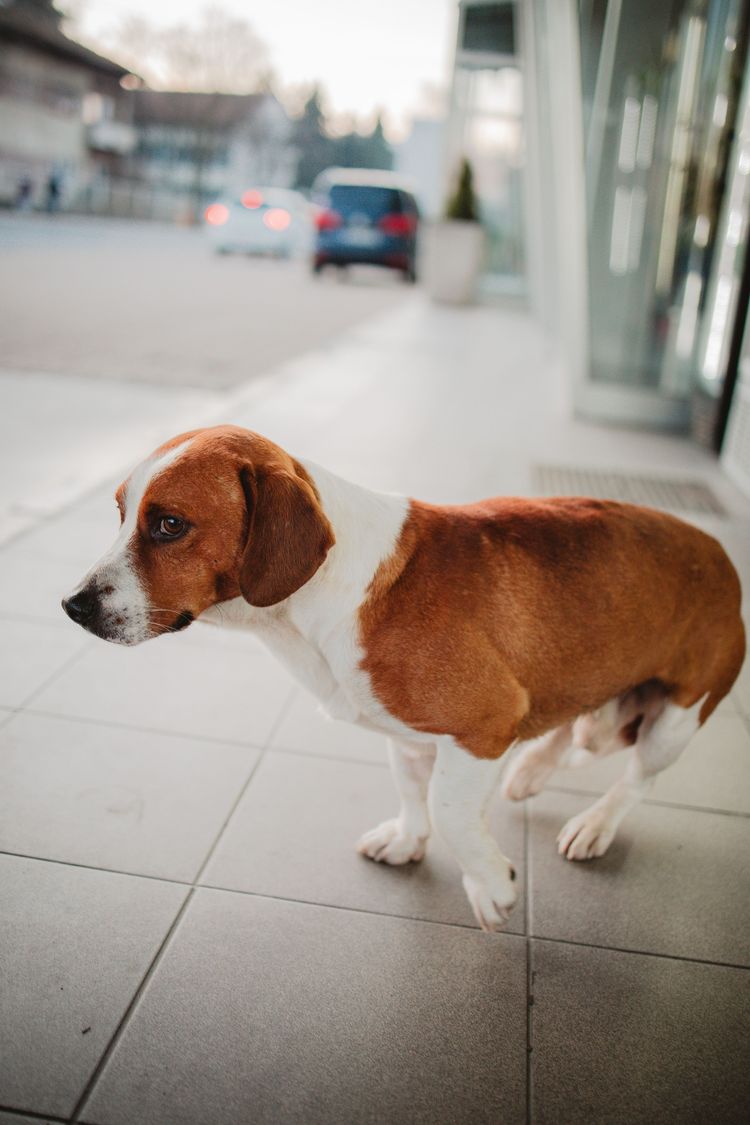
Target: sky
[[368, 56]]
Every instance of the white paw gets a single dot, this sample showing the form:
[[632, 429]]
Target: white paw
[[389, 843], [586, 836], [524, 777], [491, 900]]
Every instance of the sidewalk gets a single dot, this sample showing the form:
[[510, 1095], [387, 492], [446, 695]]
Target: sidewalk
[[187, 934]]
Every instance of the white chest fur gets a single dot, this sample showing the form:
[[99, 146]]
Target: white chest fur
[[314, 633]]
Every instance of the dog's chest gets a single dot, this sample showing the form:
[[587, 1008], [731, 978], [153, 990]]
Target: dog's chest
[[331, 671]]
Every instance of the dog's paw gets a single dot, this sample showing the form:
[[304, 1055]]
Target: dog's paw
[[524, 777], [491, 899], [586, 836], [389, 843]]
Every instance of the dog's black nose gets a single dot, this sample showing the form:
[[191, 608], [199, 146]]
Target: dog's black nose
[[80, 607]]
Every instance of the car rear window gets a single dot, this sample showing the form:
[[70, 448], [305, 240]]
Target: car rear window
[[349, 198]]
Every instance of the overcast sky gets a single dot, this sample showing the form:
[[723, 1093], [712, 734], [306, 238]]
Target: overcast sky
[[367, 55]]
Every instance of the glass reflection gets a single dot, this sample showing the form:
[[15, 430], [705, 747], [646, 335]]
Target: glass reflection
[[661, 85]]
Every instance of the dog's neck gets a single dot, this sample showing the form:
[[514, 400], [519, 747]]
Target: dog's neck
[[366, 526]]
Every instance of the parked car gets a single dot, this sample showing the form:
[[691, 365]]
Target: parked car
[[261, 221], [365, 216]]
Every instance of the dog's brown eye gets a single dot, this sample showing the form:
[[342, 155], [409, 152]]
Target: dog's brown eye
[[171, 526]]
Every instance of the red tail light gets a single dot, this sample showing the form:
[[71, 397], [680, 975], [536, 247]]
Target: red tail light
[[398, 224], [276, 218], [328, 220], [216, 214]]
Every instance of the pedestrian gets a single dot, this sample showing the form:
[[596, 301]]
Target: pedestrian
[[24, 193], [53, 192]]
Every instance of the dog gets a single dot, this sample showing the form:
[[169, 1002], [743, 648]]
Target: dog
[[569, 627]]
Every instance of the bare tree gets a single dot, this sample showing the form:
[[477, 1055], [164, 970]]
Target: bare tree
[[219, 53]]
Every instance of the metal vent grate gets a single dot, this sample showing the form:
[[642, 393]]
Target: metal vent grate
[[655, 492]]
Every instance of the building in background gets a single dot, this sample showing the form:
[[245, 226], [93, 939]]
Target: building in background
[[192, 147], [420, 159], [65, 118], [486, 126], [83, 126], [611, 146]]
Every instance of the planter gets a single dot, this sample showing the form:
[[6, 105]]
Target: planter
[[457, 254]]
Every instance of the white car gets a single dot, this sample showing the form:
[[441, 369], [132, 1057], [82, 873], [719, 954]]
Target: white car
[[272, 221]]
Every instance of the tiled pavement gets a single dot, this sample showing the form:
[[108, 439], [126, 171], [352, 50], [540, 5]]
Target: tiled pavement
[[186, 933]]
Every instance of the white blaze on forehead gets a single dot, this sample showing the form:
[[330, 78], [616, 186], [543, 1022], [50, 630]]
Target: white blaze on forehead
[[125, 608], [141, 478]]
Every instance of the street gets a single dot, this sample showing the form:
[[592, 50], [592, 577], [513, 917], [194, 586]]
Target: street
[[115, 334], [146, 302]]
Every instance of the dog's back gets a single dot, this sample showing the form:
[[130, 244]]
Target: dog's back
[[573, 600]]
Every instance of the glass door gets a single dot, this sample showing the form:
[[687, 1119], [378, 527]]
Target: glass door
[[660, 92]]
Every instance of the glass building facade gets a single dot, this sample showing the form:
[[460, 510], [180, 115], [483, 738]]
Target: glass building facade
[[619, 190], [487, 127]]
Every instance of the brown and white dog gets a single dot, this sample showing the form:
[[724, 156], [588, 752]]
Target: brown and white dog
[[575, 626]]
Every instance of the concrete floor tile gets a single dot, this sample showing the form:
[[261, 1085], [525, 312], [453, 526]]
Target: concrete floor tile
[[149, 804], [33, 584], [674, 881], [78, 535], [305, 729], [294, 832], [741, 689], [204, 690], [620, 1038], [712, 773], [75, 946], [274, 1012], [29, 654]]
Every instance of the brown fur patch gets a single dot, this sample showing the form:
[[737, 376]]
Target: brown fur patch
[[504, 619]]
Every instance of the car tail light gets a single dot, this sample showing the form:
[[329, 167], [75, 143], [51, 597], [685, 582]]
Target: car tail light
[[276, 218], [328, 220], [394, 223], [216, 214], [252, 200]]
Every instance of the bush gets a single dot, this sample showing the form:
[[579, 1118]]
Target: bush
[[463, 204]]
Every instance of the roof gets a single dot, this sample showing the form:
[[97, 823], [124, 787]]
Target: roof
[[37, 25], [182, 107], [364, 177]]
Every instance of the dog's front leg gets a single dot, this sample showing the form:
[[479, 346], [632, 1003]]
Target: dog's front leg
[[405, 837], [460, 791]]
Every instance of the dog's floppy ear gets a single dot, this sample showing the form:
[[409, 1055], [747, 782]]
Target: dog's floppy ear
[[288, 536]]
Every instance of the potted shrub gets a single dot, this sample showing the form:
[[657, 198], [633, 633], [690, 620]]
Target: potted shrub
[[458, 245]]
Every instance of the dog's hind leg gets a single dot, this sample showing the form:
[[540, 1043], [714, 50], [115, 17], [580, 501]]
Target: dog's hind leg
[[664, 733], [405, 837], [528, 772]]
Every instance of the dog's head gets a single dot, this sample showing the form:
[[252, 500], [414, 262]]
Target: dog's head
[[209, 516]]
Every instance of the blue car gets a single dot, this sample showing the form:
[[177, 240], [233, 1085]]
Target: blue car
[[365, 217]]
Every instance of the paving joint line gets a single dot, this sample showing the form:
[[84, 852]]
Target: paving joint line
[[125, 1019], [151, 970], [652, 802], [469, 927], [260, 745], [71, 660], [529, 964], [33, 1115], [113, 724], [171, 881]]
